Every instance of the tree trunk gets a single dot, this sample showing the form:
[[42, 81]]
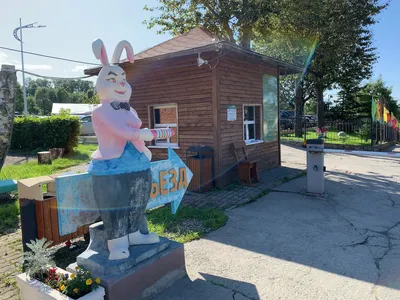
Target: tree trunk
[[319, 90], [8, 85], [245, 39], [56, 153], [299, 105], [44, 157]]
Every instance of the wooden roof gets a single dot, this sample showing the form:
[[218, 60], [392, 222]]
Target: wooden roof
[[195, 38], [201, 40]]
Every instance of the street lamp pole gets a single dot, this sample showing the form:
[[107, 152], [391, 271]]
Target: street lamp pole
[[22, 56], [23, 71]]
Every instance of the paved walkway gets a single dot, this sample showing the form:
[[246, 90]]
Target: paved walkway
[[289, 245]]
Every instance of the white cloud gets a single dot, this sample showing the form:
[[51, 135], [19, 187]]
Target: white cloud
[[80, 68], [5, 60], [36, 67]]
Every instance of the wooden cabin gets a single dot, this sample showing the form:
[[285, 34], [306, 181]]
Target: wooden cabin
[[213, 93]]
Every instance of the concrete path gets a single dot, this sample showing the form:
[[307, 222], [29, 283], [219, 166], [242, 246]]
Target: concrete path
[[289, 245]]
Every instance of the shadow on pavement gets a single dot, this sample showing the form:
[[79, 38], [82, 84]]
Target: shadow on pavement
[[353, 231], [209, 288]]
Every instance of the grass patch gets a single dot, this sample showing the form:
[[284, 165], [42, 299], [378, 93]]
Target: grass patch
[[187, 224], [9, 207], [9, 217], [80, 155], [332, 137], [257, 196]]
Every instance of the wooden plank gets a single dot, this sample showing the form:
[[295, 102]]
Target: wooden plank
[[47, 220], [39, 218], [54, 220], [216, 120], [165, 84], [180, 88], [279, 120]]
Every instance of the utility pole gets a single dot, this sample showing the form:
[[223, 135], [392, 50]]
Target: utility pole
[[32, 25]]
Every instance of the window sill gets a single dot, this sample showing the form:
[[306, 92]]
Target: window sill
[[248, 143], [163, 147]]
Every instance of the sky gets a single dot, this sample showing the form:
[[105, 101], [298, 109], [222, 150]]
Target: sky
[[72, 25]]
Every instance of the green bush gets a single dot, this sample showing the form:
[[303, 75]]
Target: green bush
[[32, 134], [365, 131]]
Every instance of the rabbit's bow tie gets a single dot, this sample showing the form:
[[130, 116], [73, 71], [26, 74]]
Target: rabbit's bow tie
[[120, 105]]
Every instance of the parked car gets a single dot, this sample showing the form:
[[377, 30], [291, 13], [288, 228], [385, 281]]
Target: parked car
[[312, 120], [87, 126], [287, 119]]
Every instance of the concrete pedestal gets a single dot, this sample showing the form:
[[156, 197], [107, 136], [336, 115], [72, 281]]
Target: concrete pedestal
[[148, 271]]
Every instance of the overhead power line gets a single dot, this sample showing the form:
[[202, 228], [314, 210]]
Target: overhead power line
[[52, 57], [55, 78], [98, 65]]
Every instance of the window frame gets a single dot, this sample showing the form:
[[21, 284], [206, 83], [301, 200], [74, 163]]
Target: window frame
[[253, 122], [85, 118], [153, 125]]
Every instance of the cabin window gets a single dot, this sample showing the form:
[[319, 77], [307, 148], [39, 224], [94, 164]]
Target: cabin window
[[252, 123], [165, 116]]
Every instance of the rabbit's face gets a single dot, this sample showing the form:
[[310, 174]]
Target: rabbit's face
[[111, 84]]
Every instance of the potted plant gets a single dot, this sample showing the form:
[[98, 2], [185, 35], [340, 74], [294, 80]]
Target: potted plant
[[42, 280]]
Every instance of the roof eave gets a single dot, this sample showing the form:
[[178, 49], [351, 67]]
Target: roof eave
[[211, 47], [284, 67]]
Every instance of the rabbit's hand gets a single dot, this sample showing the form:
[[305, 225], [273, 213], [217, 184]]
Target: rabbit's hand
[[146, 135], [148, 153]]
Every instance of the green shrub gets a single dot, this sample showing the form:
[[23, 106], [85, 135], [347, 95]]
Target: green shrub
[[365, 131], [31, 134]]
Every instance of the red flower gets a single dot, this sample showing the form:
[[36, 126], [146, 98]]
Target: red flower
[[52, 271], [324, 130]]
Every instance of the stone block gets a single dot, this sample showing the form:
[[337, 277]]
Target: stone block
[[95, 257], [149, 278]]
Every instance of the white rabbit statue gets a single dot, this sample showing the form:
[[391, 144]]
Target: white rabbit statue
[[120, 167]]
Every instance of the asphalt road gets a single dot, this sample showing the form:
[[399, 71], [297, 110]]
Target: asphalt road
[[290, 245]]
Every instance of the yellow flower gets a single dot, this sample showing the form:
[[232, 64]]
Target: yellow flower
[[73, 276], [62, 288], [98, 280], [76, 290], [76, 268], [89, 281]]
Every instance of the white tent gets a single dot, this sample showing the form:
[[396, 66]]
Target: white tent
[[76, 109]]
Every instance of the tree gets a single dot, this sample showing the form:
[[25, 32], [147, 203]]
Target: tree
[[44, 98], [379, 89], [32, 106], [234, 20], [19, 99], [295, 90], [344, 54], [62, 95], [74, 86]]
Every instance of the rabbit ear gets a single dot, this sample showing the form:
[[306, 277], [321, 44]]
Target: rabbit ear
[[118, 51], [100, 52]]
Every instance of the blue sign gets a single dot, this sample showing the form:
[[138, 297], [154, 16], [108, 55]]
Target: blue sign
[[77, 206]]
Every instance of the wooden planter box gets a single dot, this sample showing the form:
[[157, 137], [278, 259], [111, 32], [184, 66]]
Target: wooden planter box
[[32, 289], [47, 222], [39, 217]]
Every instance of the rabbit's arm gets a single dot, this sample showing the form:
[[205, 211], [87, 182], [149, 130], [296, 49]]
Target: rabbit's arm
[[116, 127]]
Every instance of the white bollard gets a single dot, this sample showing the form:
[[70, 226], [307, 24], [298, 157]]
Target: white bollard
[[315, 166]]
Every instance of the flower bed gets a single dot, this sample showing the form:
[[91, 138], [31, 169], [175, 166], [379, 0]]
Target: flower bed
[[34, 289], [44, 281]]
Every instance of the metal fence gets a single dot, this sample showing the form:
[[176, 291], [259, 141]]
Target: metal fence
[[360, 132]]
